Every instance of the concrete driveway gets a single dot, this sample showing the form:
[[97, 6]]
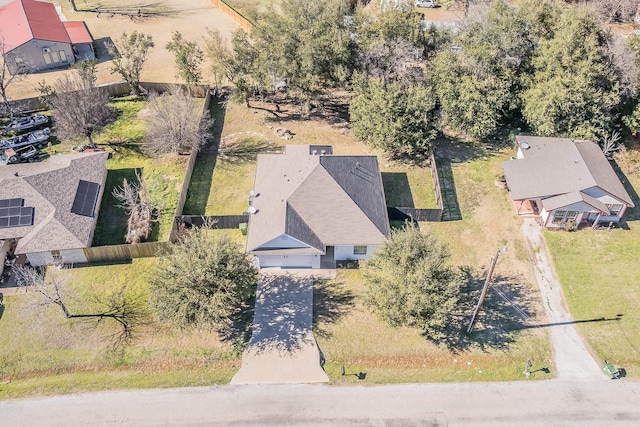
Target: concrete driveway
[[572, 359], [282, 347]]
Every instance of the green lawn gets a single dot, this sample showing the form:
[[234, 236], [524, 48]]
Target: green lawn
[[44, 353], [163, 175], [353, 337], [600, 277]]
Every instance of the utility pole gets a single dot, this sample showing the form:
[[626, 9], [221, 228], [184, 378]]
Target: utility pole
[[494, 260]]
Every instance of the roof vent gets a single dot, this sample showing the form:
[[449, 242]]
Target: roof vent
[[323, 152], [525, 146], [576, 161], [251, 210], [314, 152]]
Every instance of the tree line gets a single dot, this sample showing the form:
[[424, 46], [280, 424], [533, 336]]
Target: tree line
[[554, 68]]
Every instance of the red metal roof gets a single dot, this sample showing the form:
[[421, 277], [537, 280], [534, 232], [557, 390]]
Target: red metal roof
[[23, 20], [78, 32]]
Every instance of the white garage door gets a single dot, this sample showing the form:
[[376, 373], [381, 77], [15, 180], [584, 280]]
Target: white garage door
[[286, 261]]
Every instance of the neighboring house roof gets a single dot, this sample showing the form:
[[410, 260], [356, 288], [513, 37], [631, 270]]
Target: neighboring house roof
[[78, 32], [320, 200], [24, 20], [560, 166], [50, 188]]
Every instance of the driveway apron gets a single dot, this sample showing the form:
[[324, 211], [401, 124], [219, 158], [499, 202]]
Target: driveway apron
[[282, 347]]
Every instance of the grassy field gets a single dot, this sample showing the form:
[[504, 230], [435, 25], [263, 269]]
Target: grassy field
[[41, 352], [601, 281]]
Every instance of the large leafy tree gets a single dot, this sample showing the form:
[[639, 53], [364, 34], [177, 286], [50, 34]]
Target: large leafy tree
[[390, 41], [399, 120], [129, 57], [188, 58], [205, 281], [410, 282], [574, 91], [478, 83], [305, 44]]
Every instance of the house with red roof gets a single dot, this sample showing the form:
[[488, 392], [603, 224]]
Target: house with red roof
[[34, 38]]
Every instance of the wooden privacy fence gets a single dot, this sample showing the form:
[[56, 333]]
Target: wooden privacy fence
[[436, 180], [414, 214], [173, 235], [220, 222], [124, 252], [115, 90], [233, 14]]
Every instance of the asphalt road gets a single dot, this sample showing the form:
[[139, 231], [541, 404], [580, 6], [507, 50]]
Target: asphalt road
[[535, 403]]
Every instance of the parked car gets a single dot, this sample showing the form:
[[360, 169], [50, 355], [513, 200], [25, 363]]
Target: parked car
[[37, 138], [425, 3], [26, 123], [21, 155]]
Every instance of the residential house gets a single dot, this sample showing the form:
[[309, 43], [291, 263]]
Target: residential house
[[565, 180], [310, 208], [34, 37], [51, 207]]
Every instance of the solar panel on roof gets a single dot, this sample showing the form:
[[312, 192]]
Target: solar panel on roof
[[86, 198], [16, 216], [9, 203]]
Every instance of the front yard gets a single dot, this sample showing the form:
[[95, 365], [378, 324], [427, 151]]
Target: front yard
[[600, 277]]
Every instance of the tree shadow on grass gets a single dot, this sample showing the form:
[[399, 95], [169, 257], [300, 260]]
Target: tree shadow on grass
[[509, 306], [243, 150], [331, 301]]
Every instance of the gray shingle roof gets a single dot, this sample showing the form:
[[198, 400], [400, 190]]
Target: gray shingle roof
[[50, 188], [319, 200], [556, 166]]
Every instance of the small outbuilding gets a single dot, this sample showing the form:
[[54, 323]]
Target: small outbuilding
[[34, 38]]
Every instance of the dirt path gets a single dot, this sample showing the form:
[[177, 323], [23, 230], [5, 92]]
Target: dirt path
[[572, 359], [282, 347]]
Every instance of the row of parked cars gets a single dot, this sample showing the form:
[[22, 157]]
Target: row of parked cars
[[29, 134]]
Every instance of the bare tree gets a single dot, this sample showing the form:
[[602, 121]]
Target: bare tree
[[622, 59], [615, 10], [8, 77], [130, 56], [135, 200], [611, 144], [79, 107], [174, 123], [128, 312]]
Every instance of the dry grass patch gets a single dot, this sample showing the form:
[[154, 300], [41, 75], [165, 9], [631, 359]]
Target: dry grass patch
[[44, 353]]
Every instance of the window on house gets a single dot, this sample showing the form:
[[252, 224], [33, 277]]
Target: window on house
[[359, 250], [558, 216], [47, 57], [56, 256], [614, 210], [55, 56], [63, 56], [572, 215]]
